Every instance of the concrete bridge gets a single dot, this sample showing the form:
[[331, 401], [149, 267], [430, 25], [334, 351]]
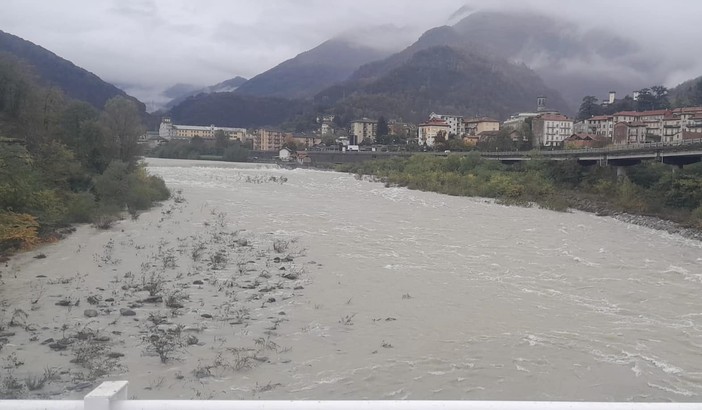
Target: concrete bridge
[[675, 153]]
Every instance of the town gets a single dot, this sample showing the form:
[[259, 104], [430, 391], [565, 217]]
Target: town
[[543, 128]]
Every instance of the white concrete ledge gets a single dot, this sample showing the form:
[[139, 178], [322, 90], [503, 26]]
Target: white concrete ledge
[[113, 396]]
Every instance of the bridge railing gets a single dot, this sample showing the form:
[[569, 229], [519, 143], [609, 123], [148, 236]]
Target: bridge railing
[[605, 150], [113, 396]]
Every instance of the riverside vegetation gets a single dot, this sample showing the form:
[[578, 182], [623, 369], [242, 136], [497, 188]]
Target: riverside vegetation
[[649, 188], [63, 162]]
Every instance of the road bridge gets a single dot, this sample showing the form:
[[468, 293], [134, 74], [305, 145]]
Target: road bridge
[[675, 153]]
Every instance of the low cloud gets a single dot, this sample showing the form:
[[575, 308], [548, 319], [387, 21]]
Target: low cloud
[[156, 43]]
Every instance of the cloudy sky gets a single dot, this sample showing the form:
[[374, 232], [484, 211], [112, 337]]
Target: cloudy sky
[[148, 45]]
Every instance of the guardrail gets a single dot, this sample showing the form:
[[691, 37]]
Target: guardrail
[[113, 396], [606, 150]]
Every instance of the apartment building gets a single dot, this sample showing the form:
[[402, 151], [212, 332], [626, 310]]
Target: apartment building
[[270, 139], [427, 131], [551, 129], [363, 129], [455, 122]]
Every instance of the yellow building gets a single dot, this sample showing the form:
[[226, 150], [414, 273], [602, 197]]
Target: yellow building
[[478, 125], [364, 129], [270, 140], [168, 130], [428, 131]]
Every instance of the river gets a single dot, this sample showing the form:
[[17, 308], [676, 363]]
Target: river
[[417, 295]]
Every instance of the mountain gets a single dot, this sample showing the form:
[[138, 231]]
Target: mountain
[[569, 57], [180, 92], [687, 93], [445, 79], [310, 72], [53, 70], [228, 109]]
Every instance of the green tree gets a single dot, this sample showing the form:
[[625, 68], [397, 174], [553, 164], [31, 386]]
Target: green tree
[[660, 97], [221, 141], [696, 95], [123, 125], [382, 129], [589, 108]]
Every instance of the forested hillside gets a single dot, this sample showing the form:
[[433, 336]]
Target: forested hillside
[[63, 161], [53, 71]]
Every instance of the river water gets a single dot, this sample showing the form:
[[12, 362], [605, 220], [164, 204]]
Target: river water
[[459, 298], [401, 295]]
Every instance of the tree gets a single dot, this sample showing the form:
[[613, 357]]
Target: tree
[[660, 97], [123, 125], [440, 140], [645, 100], [696, 97], [383, 129], [221, 141], [589, 108]]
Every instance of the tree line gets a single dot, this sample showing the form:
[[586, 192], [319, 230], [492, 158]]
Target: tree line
[[63, 161], [650, 188], [656, 97]]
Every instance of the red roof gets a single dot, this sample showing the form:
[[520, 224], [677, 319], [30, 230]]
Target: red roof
[[687, 110], [641, 113], [688, 135], [585, 137], [435, 122], [553, 117], [601, 118]]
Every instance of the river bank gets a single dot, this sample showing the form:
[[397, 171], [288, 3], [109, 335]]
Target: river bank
[[650, 196], [173, 300]]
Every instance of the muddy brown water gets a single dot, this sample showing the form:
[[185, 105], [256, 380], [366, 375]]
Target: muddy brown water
[[389, 294]]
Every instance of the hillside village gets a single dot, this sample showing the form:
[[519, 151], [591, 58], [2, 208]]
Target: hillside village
[[543, 128]]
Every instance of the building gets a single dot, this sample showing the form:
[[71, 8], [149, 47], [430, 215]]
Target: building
[[602, 125], [285, 154], [427, 131], [681, 120], [516, 121], [402, 129], [585, 140], [168, 130], [305, 141], [629, 133], [455, 122], [477, 125], [551, 129], [269, 139], [363, 129]]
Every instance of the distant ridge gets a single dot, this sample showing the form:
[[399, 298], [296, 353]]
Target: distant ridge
[[53, 70]]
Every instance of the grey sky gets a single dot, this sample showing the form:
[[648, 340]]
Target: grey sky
[[152, 44]]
